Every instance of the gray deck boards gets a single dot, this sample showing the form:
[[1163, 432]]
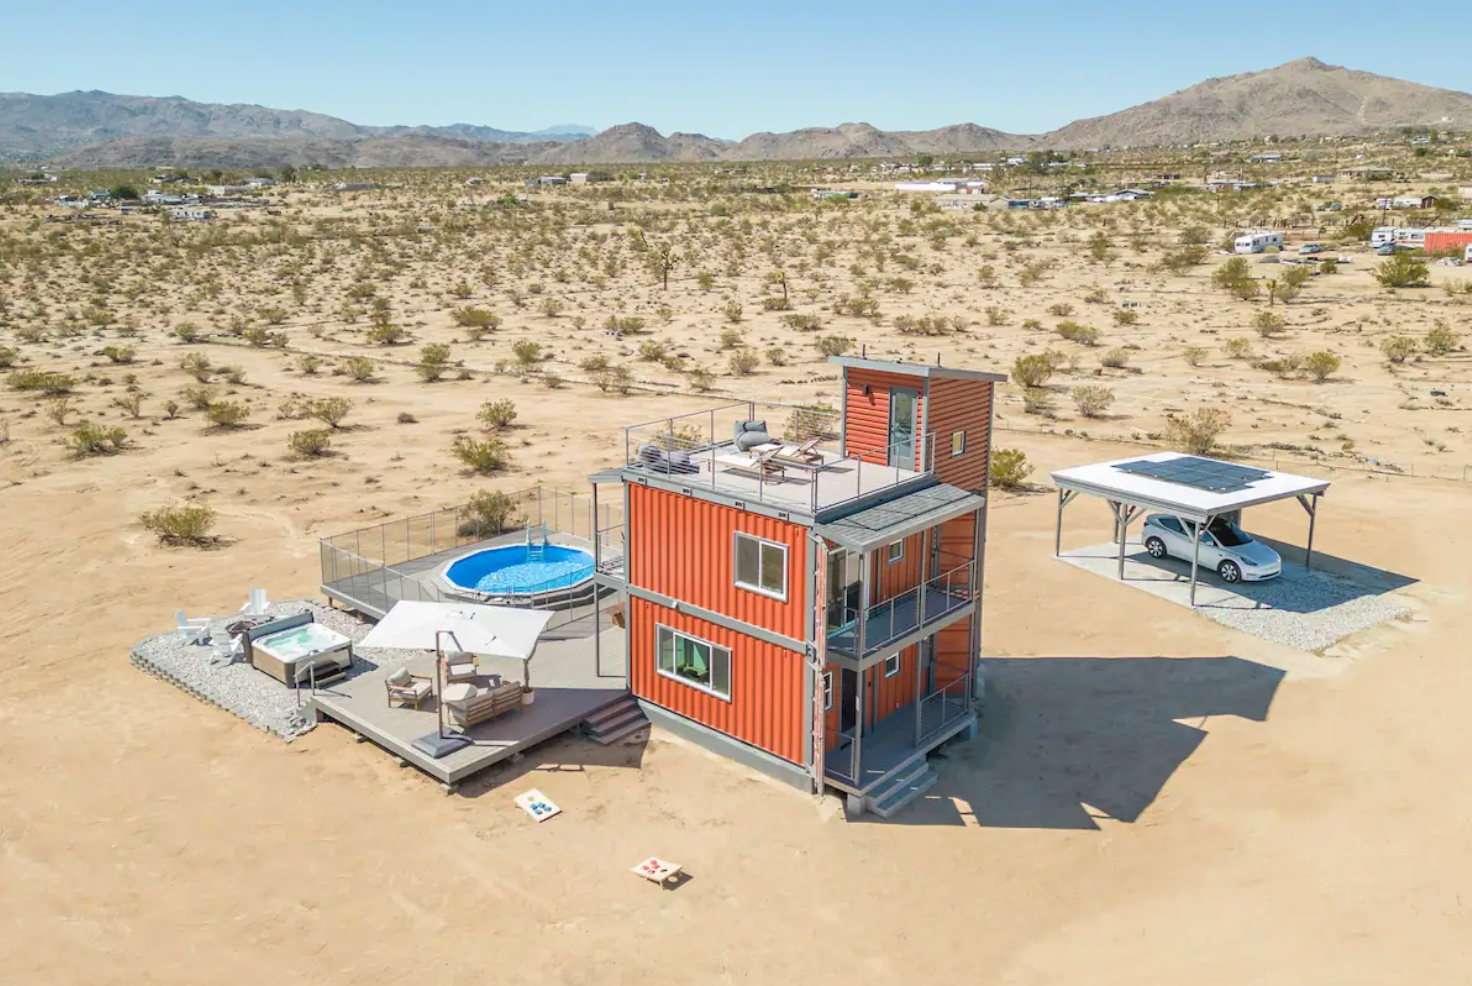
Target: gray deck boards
[[887, 624], [567, 686], [890, 744]]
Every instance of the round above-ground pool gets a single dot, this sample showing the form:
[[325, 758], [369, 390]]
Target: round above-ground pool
[[514, 571]]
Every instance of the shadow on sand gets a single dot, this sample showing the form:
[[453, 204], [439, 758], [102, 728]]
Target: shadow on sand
[[1067, 740]]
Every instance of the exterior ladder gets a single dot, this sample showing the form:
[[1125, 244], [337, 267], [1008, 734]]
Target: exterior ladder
[[535, 551]]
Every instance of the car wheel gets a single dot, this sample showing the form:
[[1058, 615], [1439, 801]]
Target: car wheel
[[1155, 546], [1229, 572]]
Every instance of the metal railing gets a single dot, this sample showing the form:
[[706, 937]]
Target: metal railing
[[693, 449], [944, 706], [893, 618]]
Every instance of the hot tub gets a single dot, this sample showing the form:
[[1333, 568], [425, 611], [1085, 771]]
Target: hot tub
[[290, 655], [522, 574]]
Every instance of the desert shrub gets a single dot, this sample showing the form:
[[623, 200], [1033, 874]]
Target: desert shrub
[[744, 362], [1010, 468], [592, 364], [528, 354], [434, 362], [834, 345], [190, 524], [732, 310], [1238, 347], [1194, 355], [731, 338], [858, 306], [701, 380], [359, 369], [614, 379], [1441, 340], [1283, 367], [1085, 335], [187, 332], [310, 443], [1037, 400], [387, 334], [405, 418], [1126, 316], [1096, 296], [120, 354], [58, 410], [1092, 401], [331, 411], [90, 438], [1268, 324], [996, 315], [1032, 371], [40, 381], [9, 356], [200, 398], [476, 317], [1116, 359], [1235, 278], [802, 322], [232, 374], [257, 337], [1402, 270], [706, 280], [1061, 309], [497, 415], [1180, 261], [482, 456], [653, 351], [197, 365], [227, 414], [1198, 431], [551, 307], [487, 514], [1398, 349], [1321, 365], [130, 404], [777, 356]]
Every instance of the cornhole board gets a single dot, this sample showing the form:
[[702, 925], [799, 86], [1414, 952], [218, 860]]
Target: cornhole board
[[537, 805], [657, 870]]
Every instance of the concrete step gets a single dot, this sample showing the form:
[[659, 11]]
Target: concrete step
[[615, 721], [888, 800], [613, 710], [628, 729]]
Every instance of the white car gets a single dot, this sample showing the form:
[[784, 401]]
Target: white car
[[1225, 548]]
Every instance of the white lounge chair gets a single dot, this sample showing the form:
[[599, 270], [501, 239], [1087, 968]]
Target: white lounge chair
[[195, 631], [405, 688], [257, 604]]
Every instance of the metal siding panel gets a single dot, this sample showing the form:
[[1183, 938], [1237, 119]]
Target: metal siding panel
[[962, 405], [765, 709], [866, 419]]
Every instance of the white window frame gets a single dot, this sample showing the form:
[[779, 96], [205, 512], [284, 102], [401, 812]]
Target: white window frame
[[889, 556], [958, 443], [898, 660], [760, 590], [730, 661], [827, 691]]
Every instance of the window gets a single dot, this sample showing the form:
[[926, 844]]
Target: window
[[827, 691], [894, 552], [695, 662], [761, 566], [958, 443], [891, 666], [1171, 524]]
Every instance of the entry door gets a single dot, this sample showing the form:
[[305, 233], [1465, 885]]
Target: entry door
[[843, 588], [904, 403], [847, 714]]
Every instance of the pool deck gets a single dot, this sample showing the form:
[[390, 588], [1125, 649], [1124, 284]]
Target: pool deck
[[569, 688], [374, 592]]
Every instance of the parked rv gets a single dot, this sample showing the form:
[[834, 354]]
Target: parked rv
[[1258, 241]]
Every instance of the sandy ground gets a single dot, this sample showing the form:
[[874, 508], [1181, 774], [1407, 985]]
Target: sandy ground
[[1154, 798]]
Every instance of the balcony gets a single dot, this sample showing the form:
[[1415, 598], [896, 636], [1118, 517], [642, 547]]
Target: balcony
[[888, 622], [699, 451]]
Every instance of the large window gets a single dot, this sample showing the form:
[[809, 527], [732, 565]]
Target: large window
[[761, 566], [698, 663]]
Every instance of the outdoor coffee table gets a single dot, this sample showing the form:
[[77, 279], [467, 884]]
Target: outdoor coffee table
[[459, 692], [660, 871]]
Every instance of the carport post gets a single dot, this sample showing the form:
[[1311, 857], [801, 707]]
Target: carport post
[[1125, 514], [1058, 530], [1312, 506], [1195, 557]]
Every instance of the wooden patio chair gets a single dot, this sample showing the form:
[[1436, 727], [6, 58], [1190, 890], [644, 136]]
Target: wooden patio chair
[[806, 454], [460, 666], [407, 688]]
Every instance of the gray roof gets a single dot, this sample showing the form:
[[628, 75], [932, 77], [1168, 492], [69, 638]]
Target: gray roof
[[916, 369], [876, 526], [614, 475]]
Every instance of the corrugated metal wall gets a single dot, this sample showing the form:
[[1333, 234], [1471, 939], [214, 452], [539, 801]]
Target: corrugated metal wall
[[766, 704], [961, 405], [882, 696], [682, 546], [892, 578], [866, 421]]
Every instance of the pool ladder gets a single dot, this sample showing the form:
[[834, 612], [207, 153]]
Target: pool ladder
[[535, 551]]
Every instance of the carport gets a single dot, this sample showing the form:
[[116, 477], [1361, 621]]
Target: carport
[[1191, 487]]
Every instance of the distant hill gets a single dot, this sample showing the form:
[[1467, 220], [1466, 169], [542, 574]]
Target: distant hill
[[101, 130], [1304, 98]]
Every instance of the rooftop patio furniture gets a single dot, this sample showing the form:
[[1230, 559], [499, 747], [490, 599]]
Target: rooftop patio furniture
[[805, 454], [750, 434], [195, 631], [460, 666], [763, 463], [406, 688], [677, 461], [485, 703]]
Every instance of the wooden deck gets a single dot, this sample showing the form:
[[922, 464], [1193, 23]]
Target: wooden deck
[[568, 689]]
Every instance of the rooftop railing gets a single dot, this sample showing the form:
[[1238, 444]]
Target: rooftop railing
[[699, 449]]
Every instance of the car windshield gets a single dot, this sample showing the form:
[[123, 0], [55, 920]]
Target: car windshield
[[1228, 535]]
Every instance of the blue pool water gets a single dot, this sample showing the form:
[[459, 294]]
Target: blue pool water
[[507, 570]]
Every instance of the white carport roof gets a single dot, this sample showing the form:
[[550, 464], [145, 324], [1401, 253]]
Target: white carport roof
[[1107, 480]]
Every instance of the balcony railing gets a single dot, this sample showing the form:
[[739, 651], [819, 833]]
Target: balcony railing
[[889, 620], [699, 450]]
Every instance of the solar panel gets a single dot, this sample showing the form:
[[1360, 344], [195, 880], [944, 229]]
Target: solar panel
[[1199, 473]]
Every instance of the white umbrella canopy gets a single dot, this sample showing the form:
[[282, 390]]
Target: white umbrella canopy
[[489, 631]]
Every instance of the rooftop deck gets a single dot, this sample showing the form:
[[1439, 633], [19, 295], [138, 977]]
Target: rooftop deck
[[568, 687]]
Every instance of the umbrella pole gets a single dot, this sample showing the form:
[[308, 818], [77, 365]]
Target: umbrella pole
[[439, 702]]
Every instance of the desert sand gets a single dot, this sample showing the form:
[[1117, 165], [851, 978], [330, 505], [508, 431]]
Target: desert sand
[[1154, 798]]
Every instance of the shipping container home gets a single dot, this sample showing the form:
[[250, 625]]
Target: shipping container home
[[801, 586]]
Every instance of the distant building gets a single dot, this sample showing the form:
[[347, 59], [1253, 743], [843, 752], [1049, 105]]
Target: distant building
[[551, 180], [1266, 158], [260, 182], [357, 186], [192, 214], [1406, 202], [962, 202], [1323, 179], [924, 186], [589, 177], [833, 193], [1466, 191]]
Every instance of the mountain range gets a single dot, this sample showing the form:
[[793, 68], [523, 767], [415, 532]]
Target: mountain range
[[101, 130]]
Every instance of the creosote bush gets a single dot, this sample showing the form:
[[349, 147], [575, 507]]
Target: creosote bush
[[190, 524], [330, 410], [1092, 401], [1010, 468], [311, 443], [1197, 432], [90, 438], [497, 415], [482, 456], [227, 414], [487, 514]]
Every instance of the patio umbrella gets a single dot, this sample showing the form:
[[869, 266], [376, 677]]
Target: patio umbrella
[[488, 631]]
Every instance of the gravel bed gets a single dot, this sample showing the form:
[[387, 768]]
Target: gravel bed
[[1308, 610], [207, 672]]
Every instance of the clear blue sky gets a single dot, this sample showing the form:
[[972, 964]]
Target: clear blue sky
[[724, 69]]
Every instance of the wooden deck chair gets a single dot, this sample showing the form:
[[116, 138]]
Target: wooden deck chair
[[805, 454]]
